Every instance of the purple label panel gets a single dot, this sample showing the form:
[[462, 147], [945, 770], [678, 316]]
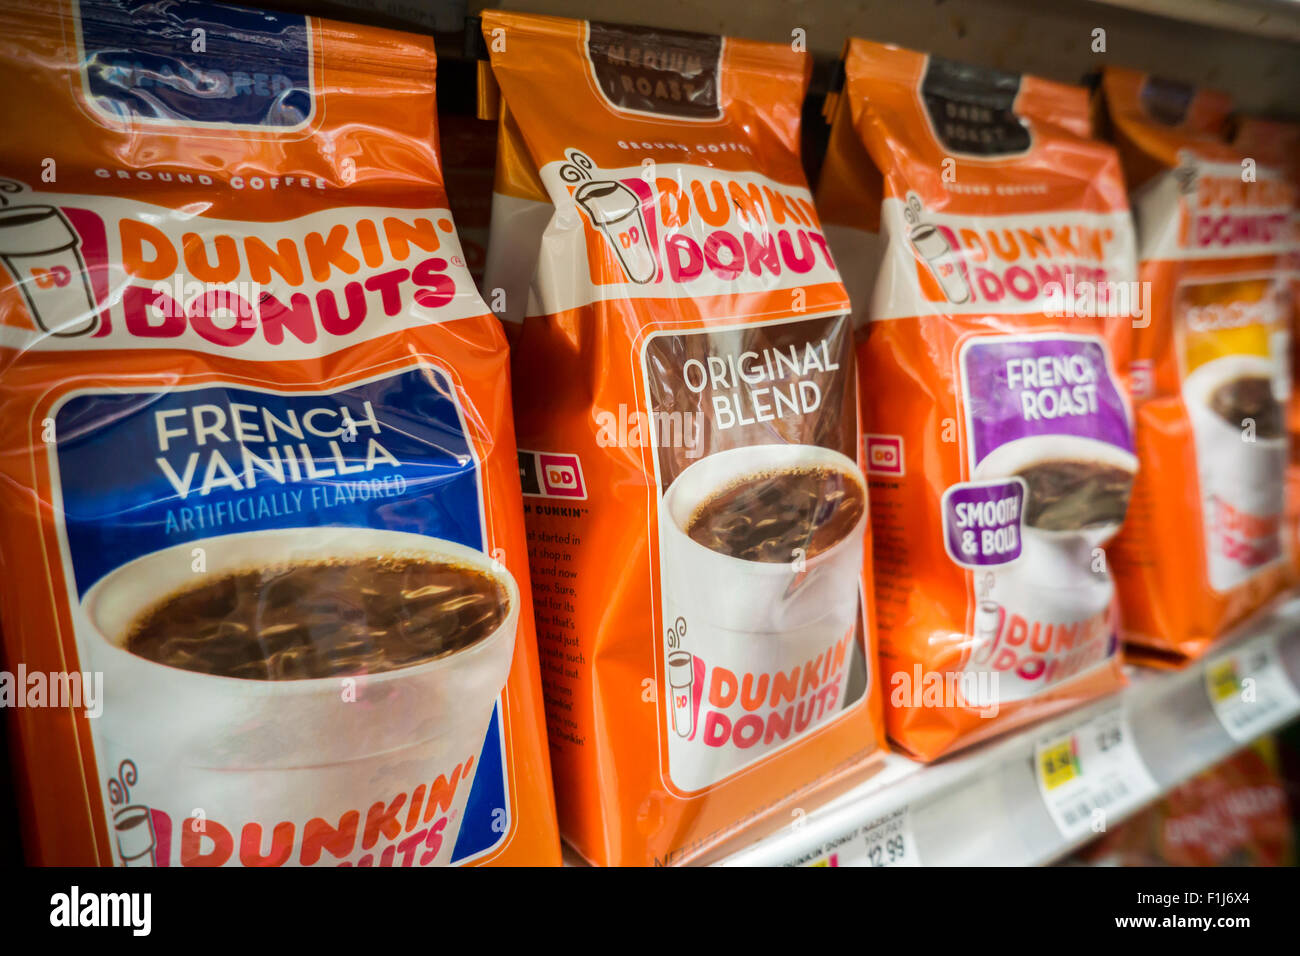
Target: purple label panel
[[982, 522], [1019, 388]]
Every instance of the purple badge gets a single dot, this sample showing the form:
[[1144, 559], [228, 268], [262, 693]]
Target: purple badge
[[982, 521]]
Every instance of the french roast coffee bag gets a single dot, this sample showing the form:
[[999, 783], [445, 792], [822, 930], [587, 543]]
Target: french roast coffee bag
[[687, 414], [998, 439], [266, 586], [1209, 369]]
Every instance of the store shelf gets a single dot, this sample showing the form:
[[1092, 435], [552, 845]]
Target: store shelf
[[988, 807], [1277, 19]]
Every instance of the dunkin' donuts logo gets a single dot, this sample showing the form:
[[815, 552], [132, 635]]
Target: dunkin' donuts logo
[[402, 829], [1013, 264], [723, 708], [661, 72], [96, 266], [1041, 652], [1222, 210], [692, 225]]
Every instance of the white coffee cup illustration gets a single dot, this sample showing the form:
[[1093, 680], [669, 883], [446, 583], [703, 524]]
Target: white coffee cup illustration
[[265, 751], [1052, 585], [42, 252], [988, 621], [615, 210], [931, 245], [1239, 463], [1056, 582], [754, 617]]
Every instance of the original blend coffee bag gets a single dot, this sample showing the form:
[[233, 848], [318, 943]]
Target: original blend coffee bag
[[687, 413], [998, 440], [266, 593], [1205, 542]]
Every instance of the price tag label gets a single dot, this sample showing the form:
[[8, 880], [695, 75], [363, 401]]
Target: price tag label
[[888, 841], [1091, 767], [1250, 691], [885, 841]]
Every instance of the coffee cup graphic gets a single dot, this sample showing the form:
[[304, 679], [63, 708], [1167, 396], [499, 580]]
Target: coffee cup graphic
[[681, 679], [42, 252], [988, 628], [1053, 586], [615, 210], [134, 835], [285, 752], [751, 617], [932, 246], [1077, 488], [1239, 434], [1077, 492]]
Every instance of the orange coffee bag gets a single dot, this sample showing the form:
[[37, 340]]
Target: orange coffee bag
[[1276, 144], [997, 432], [1204, 543], [266, 593], [686, 395]]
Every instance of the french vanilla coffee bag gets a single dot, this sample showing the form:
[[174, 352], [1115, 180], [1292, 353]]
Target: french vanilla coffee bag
[[1208, 366], [266, 588], [696, 511], [998, 440], [1276, 143]]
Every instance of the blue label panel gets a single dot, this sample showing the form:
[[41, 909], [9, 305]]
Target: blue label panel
[[142, 471], [191, 61]]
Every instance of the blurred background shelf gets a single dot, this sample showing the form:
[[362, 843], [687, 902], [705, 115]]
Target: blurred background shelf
[[1277, 19], [1246, 47], [987, 807]]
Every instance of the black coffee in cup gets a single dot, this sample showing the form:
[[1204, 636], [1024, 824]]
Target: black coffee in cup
[[1249, 397], [1075, 495], [773, 515], [326, 619]]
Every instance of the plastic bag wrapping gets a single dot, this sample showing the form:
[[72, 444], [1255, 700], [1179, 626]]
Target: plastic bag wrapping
[[1209, 367], [686, 405], [259, 505], [997, 424]]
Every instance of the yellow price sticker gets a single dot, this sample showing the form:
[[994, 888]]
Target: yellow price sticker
[[1058, 764], [1222, 678]]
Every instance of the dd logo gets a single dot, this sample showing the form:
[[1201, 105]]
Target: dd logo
[[884, 454]]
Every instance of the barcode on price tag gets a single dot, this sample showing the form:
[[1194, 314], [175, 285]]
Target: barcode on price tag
[[1091, 767], [1250, 691]]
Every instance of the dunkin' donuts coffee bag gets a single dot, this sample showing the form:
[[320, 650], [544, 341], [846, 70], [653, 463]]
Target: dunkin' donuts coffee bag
[[997, 440], [1276, 143], [1209, 369], [266, 593], [687, 413]]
